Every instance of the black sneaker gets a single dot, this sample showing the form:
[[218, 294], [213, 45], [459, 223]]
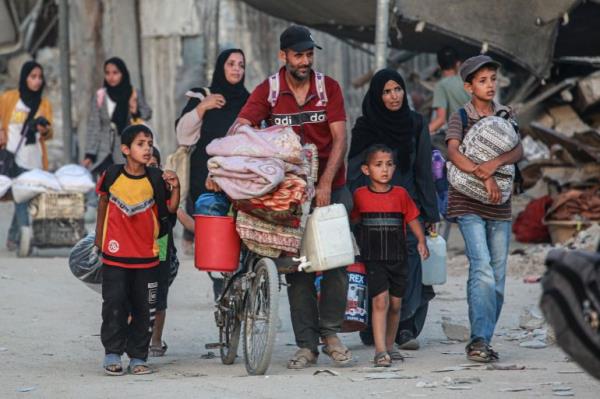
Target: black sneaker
[[407, 341]]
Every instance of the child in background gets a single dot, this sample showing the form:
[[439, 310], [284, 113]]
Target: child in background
[[167, 271], [382, 212], [133, 200]]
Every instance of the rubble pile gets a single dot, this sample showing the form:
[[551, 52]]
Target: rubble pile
[[530, 260], [562, 154]]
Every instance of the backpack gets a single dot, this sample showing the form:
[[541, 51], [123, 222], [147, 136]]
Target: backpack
[[518, 178], [319, 84], [571, 304], [159, 189]]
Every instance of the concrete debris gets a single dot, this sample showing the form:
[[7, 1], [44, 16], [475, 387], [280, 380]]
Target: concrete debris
[[426, 384], [588, 91], [389, 376], [454, 330], [533, 344], [531, 319], [534, 149], [561, 388], [515, 389], [460, 380], [504, 367], [567, 121]]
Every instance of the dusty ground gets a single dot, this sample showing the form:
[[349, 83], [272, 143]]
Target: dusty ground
[[50, 348]]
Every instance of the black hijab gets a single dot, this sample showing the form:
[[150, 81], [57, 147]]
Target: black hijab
[[32, 99], [379, 125], [218, 121], [120, 94]]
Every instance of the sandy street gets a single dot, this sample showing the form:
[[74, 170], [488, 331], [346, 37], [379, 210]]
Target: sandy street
[[50, 347]]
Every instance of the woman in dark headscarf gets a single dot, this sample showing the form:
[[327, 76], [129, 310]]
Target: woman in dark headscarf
[[116, 105], [25, 126], [388, 119], [208, 114]]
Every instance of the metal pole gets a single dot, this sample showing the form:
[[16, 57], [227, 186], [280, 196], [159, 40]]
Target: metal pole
[[381, 33], [65, 79]]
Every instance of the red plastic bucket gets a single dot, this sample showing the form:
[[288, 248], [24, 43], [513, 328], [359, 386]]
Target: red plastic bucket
[[217, 244]]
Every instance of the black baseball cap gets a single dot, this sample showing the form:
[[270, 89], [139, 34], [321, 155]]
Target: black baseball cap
[[297, 38], [474, 64]]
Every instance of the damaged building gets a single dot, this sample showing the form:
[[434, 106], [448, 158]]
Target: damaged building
[[550, 51]]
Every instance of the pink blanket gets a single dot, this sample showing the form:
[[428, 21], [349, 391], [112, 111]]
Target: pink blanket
[[274, 142], [246, 177]]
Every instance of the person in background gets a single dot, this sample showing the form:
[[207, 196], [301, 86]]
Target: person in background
[[116, 105], [208, 114], [448, 95], [387, 119], [25, 126], [167, 271]]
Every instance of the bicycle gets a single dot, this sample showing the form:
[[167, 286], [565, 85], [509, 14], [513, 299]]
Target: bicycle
[[248, 307]]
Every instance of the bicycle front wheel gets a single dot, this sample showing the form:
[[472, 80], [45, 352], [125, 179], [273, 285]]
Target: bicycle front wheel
[[260, 327]]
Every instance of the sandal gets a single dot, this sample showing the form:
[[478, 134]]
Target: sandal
[[382, 359], [340, 355], [302, 359], [139, 367], [112, 365], [396, 355], [158, 350], [481, 352]]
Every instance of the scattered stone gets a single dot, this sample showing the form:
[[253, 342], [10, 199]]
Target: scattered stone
[[533, 344], [516, 389], [561, 388], [504, 367], [451, 368], [471, 365], [389, 376], [564, 393], [570, 372], [2, 349], [531, 319], [449, 342], [25, 389], [453, 353], [456, 331], [459, 387], [517, 336], [426, 384], [326, 372], [454, 383], [378, 370]]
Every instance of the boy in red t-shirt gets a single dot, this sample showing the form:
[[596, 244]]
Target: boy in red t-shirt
[[382, 212], [127, 231]]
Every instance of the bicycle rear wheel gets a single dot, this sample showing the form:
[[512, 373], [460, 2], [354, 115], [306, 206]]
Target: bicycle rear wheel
[[260, 327]]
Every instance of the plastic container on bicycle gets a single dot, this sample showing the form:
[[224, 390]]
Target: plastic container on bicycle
[[327, 241], [217, 244]]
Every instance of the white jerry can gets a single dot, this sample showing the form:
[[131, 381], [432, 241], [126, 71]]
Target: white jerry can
[[434, 267], [327, 241]]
